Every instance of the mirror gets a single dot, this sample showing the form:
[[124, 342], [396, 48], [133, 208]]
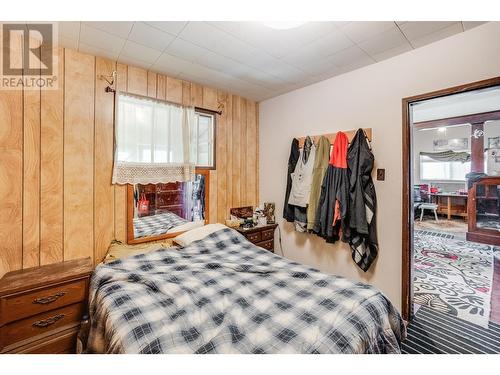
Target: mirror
[[158, 211]]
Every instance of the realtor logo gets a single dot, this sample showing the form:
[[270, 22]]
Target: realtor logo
[[28, 56]]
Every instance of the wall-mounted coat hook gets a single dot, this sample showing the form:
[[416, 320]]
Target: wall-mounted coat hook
[[111, 79]]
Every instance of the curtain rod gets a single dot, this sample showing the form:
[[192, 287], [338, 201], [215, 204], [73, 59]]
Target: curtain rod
[[169, 102]]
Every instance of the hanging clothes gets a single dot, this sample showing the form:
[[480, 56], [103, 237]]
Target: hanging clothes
[[301, 184], [333, 202], [288, 210], [319, 170], [361, 232], [302, 175]]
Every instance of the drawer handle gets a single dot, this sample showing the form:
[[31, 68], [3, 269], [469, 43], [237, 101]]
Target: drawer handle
[[48, 322], [49, 299]]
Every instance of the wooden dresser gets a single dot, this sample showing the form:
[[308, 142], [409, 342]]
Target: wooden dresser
[[261, 235], [41, 308]]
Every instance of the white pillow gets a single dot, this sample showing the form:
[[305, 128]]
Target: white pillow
[[197, 234]]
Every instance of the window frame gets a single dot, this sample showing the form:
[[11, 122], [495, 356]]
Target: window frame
[[212, 114]]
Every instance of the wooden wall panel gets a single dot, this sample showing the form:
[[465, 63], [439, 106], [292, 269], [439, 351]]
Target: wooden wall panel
[[243, 153], [236, 152], [152, 79], [11, 176], [104, 193], [161, 88], [121, 190], [65, 139], [251, 155], [78, 155], [174, 90], [137, 81], [186, 93], [31, 177], [51, 170], [196, 95], [221, 160], [210, 98]]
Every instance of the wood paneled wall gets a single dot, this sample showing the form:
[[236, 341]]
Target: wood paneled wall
[[57, 155]]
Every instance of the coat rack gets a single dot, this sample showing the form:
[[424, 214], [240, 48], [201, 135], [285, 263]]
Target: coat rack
[[331, 136]]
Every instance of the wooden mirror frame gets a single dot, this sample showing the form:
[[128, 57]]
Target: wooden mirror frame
[[130, 212]]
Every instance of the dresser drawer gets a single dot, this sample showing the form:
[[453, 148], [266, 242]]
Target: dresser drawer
[[254, 237], [268, 245], [18, 306], [268, 234], [41, 323], [63, 342]]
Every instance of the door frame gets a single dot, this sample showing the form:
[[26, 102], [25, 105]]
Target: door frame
[[407, 214]]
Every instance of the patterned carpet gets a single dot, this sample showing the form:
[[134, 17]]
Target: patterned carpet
[[454, 277], [431, 332]]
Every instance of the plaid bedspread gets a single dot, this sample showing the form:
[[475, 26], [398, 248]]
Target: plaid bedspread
[[156, 224], [223, 294]]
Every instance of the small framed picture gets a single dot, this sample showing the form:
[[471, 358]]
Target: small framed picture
[[494, 142]]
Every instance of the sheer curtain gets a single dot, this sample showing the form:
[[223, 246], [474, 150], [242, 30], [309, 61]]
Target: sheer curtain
[[155, 142]]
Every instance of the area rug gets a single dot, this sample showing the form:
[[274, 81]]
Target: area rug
[[454, 277], [443, 225]]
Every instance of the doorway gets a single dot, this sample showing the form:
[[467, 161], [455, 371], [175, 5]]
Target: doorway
[[449, 186]]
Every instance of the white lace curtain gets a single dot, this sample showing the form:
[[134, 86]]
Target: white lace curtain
[[155, 142]]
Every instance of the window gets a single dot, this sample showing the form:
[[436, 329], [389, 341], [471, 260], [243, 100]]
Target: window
[[205, 146], [431, 169]]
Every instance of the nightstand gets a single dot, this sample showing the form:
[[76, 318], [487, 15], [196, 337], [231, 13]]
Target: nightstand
[[260, 235], [41, 308]]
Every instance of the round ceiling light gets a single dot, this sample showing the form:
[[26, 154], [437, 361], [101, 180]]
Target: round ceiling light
[[283, 25]]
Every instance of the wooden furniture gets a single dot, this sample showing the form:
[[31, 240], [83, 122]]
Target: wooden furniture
[[331, 136], [168, 199], [41, 308], [260, 235], [450, 204], [484, 211]]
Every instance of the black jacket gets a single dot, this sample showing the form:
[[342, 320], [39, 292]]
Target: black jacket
[[361, 232], [288, 210]]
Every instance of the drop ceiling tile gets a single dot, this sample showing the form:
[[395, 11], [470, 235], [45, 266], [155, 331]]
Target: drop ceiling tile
[[471, 24], [143, 53], [150, 36], [286, 72], [218, 62], [117, 28], [384, 41], [317, 67], [185, 50], [416, 29], [171, 27], [437, 35], [68, 43], [322, 47], [170, 65], [69, 30], [392, 52], [361, 31], [277, 42], [350, 56], [92, 50], [100, 39], [122, 59]]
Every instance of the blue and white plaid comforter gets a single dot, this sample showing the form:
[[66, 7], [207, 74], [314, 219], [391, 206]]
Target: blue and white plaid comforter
[[223, 294]]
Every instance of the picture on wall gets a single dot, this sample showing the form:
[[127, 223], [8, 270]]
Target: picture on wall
[[454, 144], [494, 142]]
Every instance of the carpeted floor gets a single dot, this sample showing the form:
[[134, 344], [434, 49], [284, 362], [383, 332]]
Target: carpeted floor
[[432, 332], [454, 277], [453, 225]]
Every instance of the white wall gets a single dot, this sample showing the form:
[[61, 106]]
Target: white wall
[[368, 97]]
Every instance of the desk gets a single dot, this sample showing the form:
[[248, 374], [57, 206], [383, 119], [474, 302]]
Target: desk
[[450, 204]]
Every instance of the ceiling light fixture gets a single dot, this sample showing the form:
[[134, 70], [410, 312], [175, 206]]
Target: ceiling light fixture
[[283, 25]]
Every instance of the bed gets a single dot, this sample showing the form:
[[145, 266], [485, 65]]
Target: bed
[[222, 294], [166, 222]]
